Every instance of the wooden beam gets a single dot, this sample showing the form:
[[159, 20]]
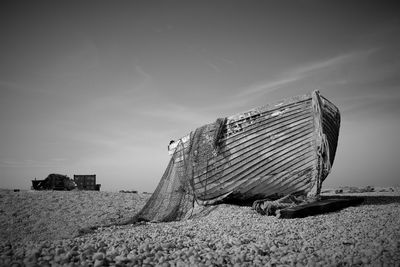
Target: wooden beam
[[319, 207]]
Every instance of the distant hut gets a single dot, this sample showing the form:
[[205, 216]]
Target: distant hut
[[86, 182]]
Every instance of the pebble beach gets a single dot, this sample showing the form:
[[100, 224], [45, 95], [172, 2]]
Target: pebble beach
[[61, 228]]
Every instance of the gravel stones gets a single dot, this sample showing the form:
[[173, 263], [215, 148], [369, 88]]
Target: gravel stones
[[52, 215], [228, 236]]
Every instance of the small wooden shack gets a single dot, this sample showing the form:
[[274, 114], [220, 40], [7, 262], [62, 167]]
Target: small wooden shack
[[86, 182]]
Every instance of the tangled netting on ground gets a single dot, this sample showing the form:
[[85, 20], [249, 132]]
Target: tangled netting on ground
[[174, 197], [271, 207]]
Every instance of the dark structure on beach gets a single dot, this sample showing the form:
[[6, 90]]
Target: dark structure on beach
[[62, 182], [54, 181], [86, 182]]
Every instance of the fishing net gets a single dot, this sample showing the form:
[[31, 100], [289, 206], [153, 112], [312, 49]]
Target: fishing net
[[174, 196], [271, 207]]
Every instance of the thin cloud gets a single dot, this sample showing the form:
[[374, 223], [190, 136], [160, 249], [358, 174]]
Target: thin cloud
[[225, 107], [177, 113], [8, 85], [146, 76], [29, 163], [333, 62], [268, 87], [213, 66], [303, 72], [74, 63], [372, 104], [59, 159], [229, 61], [146, 80]]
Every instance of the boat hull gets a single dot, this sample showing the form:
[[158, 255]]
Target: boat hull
[[283, 148]]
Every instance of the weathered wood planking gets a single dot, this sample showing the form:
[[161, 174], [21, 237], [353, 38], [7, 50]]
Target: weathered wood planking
[[331, 125], [320, 207], [281, 148], [278, 148]]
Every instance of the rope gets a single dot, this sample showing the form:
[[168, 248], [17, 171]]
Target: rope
[[270, 207]]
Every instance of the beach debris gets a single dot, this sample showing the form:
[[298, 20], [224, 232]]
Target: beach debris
[[272, 207], [317, 207], [353, 189], [129, 191]]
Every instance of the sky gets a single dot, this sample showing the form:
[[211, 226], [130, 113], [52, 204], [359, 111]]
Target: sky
[[101, 87]]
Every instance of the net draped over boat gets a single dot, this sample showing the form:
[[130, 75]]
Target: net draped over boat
[[174, 196]]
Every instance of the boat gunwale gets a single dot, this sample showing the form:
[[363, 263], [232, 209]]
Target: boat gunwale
[[260, 126], [261, 110]]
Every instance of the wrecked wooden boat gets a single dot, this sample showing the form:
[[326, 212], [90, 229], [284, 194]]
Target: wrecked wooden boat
[[284, 148]]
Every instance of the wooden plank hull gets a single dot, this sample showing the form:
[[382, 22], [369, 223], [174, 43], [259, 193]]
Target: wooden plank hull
[[279, 149]]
